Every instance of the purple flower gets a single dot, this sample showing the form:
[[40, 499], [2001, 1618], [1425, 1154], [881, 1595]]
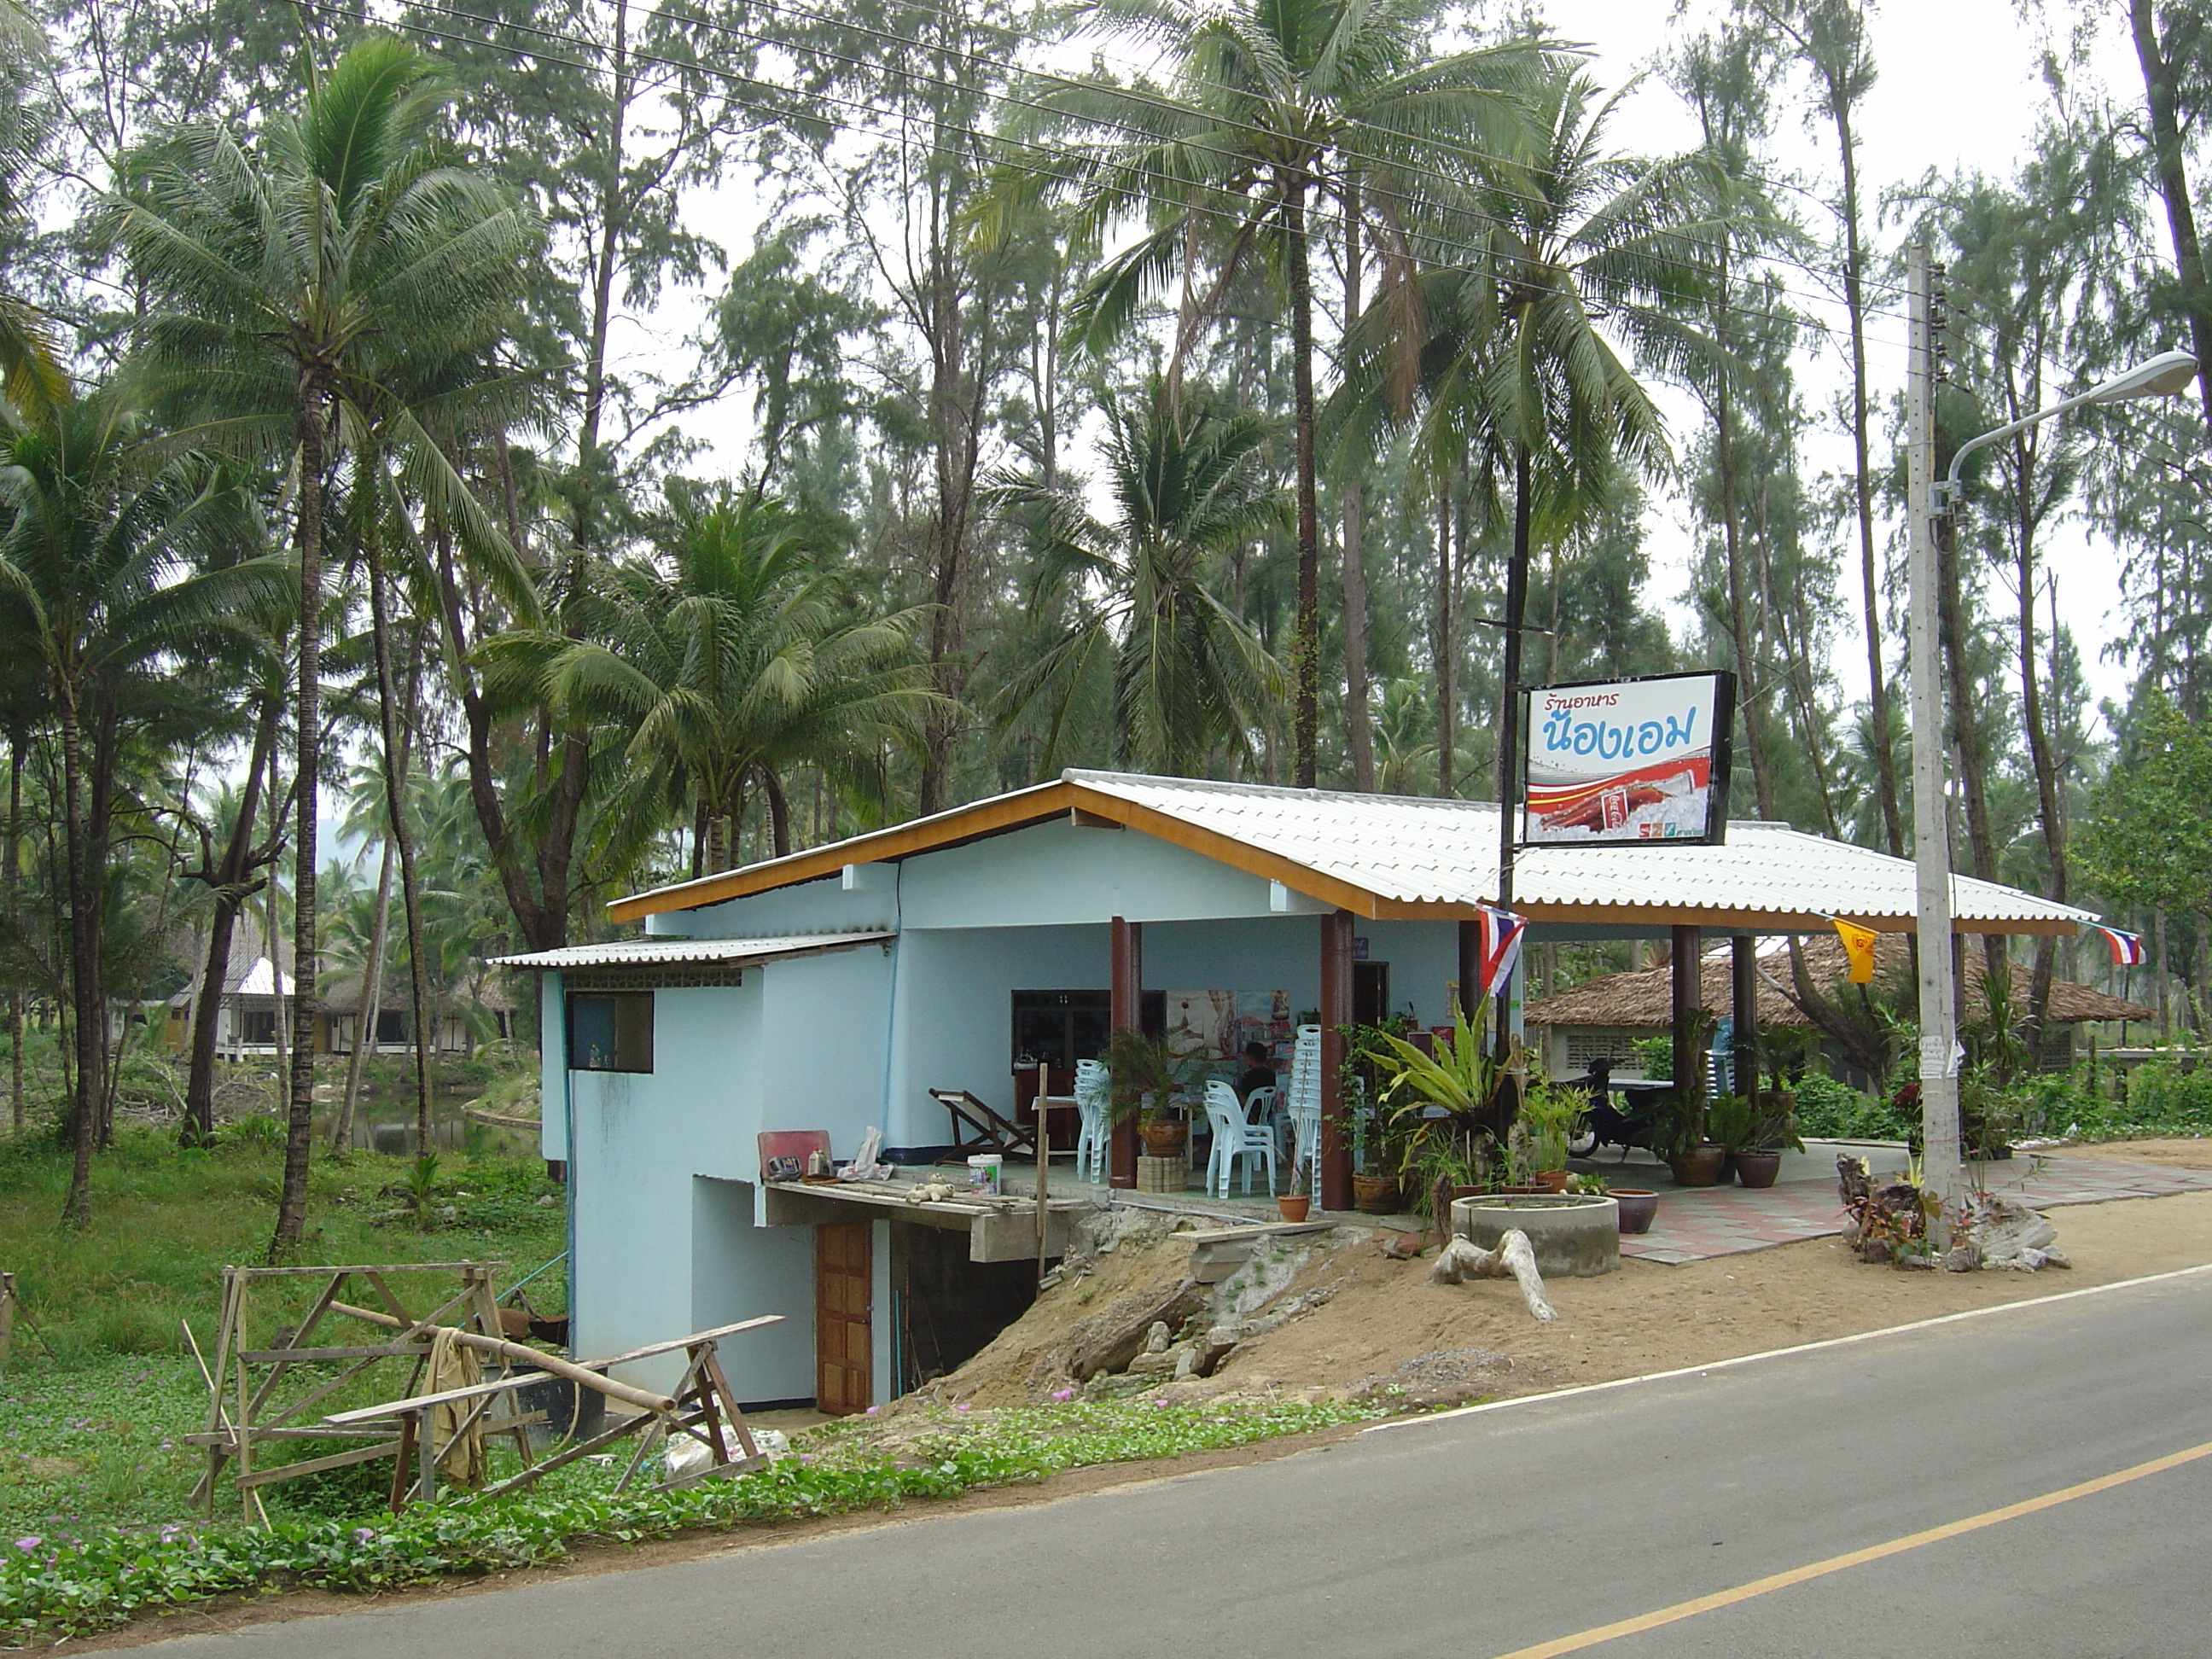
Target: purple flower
[[363, 1535], [26, 1544], [1063, 1393]]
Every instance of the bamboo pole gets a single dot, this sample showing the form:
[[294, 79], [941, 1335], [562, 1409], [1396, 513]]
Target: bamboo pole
[[644, 1399]]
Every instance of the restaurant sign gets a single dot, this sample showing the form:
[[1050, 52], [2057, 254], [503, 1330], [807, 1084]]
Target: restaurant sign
[[1607, 761]]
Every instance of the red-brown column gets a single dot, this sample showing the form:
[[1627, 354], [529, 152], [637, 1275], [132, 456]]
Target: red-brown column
[[1688, 981], [1470, 969], [1335, 1016], [1128, 952]]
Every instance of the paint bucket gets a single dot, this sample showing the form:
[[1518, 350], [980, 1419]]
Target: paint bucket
[[984, 1171]]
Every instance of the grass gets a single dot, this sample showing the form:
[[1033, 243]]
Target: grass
[[102, 1384], [56, 1587]]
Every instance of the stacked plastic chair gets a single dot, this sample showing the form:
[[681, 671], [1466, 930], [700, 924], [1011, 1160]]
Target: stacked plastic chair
[[1235, 1139], [1094, 1087], [1305, 1107]]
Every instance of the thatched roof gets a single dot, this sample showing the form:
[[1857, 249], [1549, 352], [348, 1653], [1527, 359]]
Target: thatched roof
[[1646, 998]]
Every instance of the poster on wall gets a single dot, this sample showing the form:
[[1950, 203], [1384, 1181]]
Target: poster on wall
[[1612, 763], [1218, 1023]]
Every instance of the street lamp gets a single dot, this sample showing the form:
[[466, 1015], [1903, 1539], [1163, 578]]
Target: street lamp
[[2167, 374]]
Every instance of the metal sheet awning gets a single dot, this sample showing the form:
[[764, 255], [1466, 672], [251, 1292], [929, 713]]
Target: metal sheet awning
[[679, 952]]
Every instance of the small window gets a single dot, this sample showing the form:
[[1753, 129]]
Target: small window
[[610, 1032], [390, 1025], [259, 1026]]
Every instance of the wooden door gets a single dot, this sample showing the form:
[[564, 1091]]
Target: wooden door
[[844, 1347]]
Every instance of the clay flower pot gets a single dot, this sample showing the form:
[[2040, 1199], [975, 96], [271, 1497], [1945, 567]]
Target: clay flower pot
[[1165, 1137], [1758, 1169], [1376, 1195], [1553, 1181], [1292, 1206], [1637, 1207], [1700, 1165]]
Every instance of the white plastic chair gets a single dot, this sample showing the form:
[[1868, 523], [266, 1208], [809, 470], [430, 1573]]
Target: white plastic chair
[[1304, 1107], [1264, 1107], [1233, 1138], [1094, 1085]]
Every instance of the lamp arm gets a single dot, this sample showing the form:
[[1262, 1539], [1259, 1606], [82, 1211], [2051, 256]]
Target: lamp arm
[[1958, 460]]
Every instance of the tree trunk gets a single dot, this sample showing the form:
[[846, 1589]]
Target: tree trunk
[[779, 811], [1966, 724], [1306, 648], [1445, 643], [1509, 724], [14, 857], [370, 1004], [307, 707], [422, 1014], [2041, 757], [232, 880], [1885, 752], [1732, 538], [1358, 726], [2169, 150], [84, 1111]]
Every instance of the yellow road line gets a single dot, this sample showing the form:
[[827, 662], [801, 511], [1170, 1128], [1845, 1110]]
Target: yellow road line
[[1680, 1610]]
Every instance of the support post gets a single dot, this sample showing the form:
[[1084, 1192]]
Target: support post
[[1470, 969], [1128, 1013], [1689, 997], [1743, 995], [1335, 1016], [1931, 840]]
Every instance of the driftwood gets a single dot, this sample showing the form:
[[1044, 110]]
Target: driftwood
[[1119, 1333], [1515, 1258], [531, 1358]]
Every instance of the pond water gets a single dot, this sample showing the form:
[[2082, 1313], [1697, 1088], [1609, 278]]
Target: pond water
[[384, 1122]]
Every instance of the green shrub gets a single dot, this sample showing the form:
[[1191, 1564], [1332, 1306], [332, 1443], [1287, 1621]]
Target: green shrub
[[1829, 1110]]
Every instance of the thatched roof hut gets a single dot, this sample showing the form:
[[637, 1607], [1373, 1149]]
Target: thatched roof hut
[[1644, 999]]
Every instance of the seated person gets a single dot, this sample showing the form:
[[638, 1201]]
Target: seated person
[[1259, 1072]]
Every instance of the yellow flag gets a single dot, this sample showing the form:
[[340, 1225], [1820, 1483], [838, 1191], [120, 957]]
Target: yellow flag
[[1858, 945]]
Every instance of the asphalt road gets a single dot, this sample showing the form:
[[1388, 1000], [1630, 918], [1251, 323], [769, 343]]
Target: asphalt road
[[1488, 1534]]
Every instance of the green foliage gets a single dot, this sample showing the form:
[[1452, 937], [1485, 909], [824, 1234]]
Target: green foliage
[[2149, 839], [1829, 1110], [1552, 1114], [55, 1586], [1148, 1071]]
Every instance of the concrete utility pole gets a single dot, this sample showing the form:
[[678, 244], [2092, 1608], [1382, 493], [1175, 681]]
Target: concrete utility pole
[[1931, 837]]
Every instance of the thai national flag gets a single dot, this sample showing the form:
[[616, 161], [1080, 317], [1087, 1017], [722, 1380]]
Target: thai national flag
[[2127, 948], [1502, 933]]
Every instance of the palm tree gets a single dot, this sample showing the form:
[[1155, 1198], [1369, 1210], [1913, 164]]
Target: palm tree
[[1278, 111], [1185, 678], [107, 567], [271, 269], [748, 659], [32, 378]]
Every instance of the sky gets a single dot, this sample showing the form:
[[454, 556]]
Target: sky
[[1958, 86]]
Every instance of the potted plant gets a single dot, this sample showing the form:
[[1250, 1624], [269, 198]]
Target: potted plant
[[1148, 1075], [1636, 1205], [1294, 1205], [1755, 1135], [1552, 1114], [1678, 1135], [1439, 1102], [1376, 1186]]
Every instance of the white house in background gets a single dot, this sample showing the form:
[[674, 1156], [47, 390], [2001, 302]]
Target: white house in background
[[831, 990]]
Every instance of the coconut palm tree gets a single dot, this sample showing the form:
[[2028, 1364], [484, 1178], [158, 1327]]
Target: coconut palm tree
[[1185, 678], [748, 659], [271, 269], [1279, 112], [108, 566], [31, 373]]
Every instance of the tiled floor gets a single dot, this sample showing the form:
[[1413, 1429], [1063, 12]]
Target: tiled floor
[[1695, 1223]]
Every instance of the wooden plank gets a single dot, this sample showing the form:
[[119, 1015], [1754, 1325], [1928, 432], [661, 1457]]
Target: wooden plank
[[295, 1355], [1257, 1230], [443, 1397], [314, 1432], [269, 1477], [390, 1267], [642, 1398], [714, 1335]]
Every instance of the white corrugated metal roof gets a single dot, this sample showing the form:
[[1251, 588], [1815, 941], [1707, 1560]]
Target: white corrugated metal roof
[[263, 980], [668, 952], [1414, 849]]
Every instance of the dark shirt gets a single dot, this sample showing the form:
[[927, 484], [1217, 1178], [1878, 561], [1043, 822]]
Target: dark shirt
[[1260, 1077]]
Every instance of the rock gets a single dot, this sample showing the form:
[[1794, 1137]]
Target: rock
[[548, 1201], [2055, 1257], [1158, 1337], [1962, 1258], [1404, 1246], [1917, 1263]]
